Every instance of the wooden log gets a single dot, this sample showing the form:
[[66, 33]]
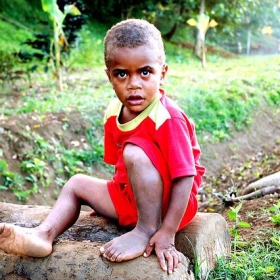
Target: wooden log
[[268, 181], [76, 252], [205, 240]]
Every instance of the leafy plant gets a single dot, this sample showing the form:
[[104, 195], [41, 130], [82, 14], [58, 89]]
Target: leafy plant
[[275, 209], [12, 181], [233, 215], [276, 241], [35, 168], [59, 39]]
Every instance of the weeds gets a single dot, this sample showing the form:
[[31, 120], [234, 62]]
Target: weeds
[[233, 215], [12, 181], [256, 260], [45, 156], [275, 209]]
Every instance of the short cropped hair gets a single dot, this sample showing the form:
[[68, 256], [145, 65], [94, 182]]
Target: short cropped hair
[[133, 33]]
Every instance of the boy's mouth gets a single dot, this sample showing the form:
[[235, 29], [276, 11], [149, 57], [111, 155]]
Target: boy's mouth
[[134, 100]]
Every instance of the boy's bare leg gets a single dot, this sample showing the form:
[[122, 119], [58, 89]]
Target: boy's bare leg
[[37, 242], [148, 188]]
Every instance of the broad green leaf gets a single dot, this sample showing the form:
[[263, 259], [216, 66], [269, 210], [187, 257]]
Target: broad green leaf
[[48, 6], [3, 165], [273, 209], [268, 269], [72, 10], [238, 207], [273, 239], [276, 219], [231, 215], [243, 225], [3, 188], [38, 162], [240, 243], [51, 7]]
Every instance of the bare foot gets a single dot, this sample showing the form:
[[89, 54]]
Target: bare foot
[[126, 247], [23, 241]]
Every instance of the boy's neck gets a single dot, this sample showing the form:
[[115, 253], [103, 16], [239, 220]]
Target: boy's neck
[[126, 115]]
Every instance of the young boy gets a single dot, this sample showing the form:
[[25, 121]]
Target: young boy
[[153, 146]]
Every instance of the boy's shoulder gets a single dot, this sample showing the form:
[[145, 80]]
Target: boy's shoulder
[[113, 108], [171, 106], [167, 109]]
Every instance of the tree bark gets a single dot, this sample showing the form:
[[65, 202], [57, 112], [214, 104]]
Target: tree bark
[[200, 49]]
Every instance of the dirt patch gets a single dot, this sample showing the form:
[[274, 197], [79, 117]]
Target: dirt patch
[[261, 137], [30, 132]]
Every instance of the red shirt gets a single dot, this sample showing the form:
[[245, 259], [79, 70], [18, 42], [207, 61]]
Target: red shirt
[[162, 122]]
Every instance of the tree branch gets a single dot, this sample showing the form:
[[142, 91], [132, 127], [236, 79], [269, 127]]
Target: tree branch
[[253, 195]]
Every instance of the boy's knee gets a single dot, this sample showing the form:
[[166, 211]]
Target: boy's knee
[[133, 154], [77, 178], [74, 181]]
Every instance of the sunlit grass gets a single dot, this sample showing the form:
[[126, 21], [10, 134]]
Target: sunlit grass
[[259, 261], [220, 98], [13, 43]]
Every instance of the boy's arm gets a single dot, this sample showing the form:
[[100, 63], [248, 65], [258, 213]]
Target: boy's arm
[[163, 240]]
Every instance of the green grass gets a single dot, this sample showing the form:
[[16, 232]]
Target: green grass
[[257, 261], [224, 95], [19, 36], [249, 260]]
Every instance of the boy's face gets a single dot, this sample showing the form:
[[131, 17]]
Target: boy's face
[[136, 76]]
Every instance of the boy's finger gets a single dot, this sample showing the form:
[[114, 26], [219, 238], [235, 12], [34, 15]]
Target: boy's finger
[[162, 261], [149, 249], [170, 262], [176, 260]]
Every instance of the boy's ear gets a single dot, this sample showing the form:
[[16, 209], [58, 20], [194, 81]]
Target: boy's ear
[[163, 72]]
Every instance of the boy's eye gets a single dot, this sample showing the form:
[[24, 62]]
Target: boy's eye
[[122, 74], [145, 72]]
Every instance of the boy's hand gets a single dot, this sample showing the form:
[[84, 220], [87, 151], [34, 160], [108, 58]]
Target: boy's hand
[[168, 256]]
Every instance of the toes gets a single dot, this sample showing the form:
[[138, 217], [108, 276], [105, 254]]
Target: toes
[[105, 249], [6, 231], [119, 258], [102, 250], [2, 226], [111, 254]]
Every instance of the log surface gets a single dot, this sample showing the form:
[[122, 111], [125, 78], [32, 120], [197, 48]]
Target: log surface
[[76, 252]]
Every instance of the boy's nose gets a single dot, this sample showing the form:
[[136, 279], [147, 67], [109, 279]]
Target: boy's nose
[[134, 82]]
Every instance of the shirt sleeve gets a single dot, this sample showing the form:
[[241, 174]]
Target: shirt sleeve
[[174, 138]]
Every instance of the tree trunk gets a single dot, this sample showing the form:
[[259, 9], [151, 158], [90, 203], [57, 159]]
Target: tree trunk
[[200, 50], [248, 41]]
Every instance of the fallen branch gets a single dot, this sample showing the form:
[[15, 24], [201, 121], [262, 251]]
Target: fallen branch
[[268, 181], [253, 195]]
